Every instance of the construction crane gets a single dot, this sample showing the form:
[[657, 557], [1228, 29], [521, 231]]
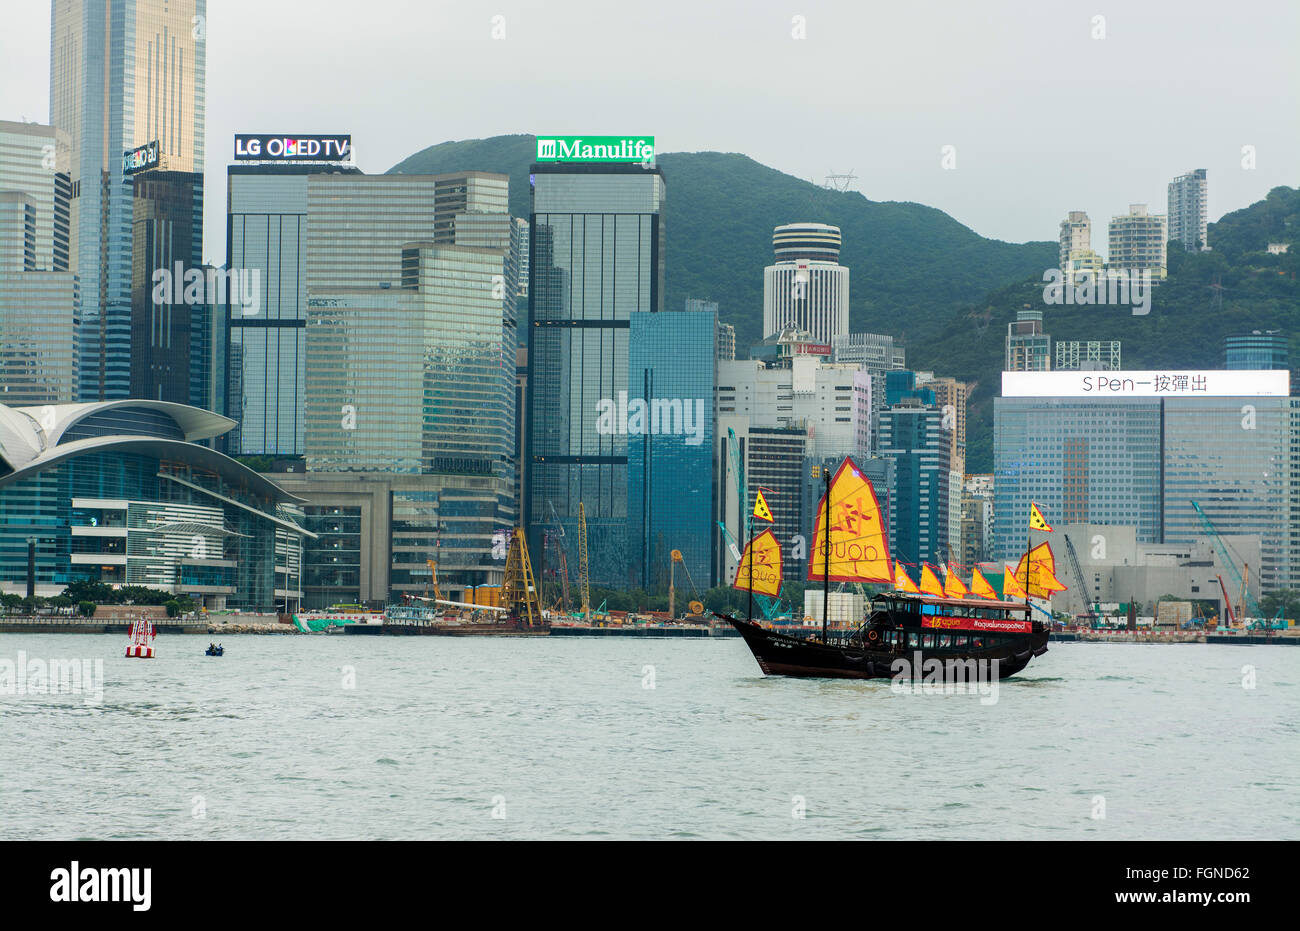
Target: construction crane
[[697, 606], [584, 575], [433, 581], [1237, 577], [1078, 577], [519, 588], [561, 555]]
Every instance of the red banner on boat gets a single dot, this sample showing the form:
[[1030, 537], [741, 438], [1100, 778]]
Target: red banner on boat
[[987, 624]]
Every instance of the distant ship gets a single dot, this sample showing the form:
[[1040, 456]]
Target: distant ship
[[930, 633]]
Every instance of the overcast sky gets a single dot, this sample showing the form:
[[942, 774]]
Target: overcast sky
[[1044, 117]]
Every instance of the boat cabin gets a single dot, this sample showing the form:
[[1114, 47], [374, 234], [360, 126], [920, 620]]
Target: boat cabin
[[903, 621]]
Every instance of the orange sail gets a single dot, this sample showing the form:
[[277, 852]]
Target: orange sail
[[952, 584], [902, 581], [765, 554], [1010, 587], [1036, 573], [859, 549], [980, 585], [930, 584]]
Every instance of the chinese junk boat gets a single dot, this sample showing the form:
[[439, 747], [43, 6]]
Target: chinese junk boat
[[906, 623], [142, 634]]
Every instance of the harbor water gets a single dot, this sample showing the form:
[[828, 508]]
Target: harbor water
[[343, 737]]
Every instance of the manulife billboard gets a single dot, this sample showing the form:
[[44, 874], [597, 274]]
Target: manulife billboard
[[639, 149]]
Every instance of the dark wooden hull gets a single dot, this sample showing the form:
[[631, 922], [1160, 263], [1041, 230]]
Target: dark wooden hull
[[783, 655]]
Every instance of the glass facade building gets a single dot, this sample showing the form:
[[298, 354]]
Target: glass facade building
[[122, 493], [1081, 461], [122, 74], [167, 237], [595, 259], [1256, 351], [925, 513], [671, 362], [34, 161]]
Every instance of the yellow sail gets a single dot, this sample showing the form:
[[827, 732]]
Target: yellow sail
[[952, 584], [930, 584], [1036, 573], [1010, 587], [980, 585], [859, 548], [765, 553], [902, 581]]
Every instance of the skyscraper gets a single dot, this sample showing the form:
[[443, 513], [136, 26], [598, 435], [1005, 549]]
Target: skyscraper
[[1256, 351], [671, 368], [39, 297], [926, 508], [266, 221], [1188, 210], [122, 74], [595, 258], [806, 288]]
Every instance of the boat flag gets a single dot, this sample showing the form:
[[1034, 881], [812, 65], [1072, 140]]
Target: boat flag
[[1010, 587], [902, 581], [1036, 573], [980, 585], [952, 584], [859, 549], [1036, 521], [930, 580], [761, 510], [766, 574]]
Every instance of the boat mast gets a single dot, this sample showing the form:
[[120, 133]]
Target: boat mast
[[826, 559]]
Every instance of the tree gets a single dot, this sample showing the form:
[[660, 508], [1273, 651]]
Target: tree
[[86, 608], [1287, 600], [173, 608]]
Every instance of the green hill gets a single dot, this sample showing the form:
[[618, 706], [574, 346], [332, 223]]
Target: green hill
[[1234, 289], [911, 266]]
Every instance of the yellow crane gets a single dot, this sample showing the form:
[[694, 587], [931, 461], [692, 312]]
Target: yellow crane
[[433, 578], [697, 607], [584, 576], [519, 588]]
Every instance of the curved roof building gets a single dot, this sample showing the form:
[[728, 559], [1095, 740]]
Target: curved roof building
[[123, 492]]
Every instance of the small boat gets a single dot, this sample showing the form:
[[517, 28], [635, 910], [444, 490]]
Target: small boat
[[142, 634], [214, 650]]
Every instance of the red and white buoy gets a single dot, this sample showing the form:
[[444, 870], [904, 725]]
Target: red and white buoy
[[142, 632]]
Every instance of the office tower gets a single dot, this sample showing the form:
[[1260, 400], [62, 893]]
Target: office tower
[[167, 244], [950, 397], [34, 161], [773, 458], [266, 222], [1137, 242], [208, 351], [122, 75], [1079, 459], [902, 385], [831, 403], [1238, 459], [926, 513], [1257, 351], [519, 250], [1029, 349], [1087, 355], [876, 354], [1188, 210], [595, 258], [671, 370], [976, 520], [38, 313], [806, 288]]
